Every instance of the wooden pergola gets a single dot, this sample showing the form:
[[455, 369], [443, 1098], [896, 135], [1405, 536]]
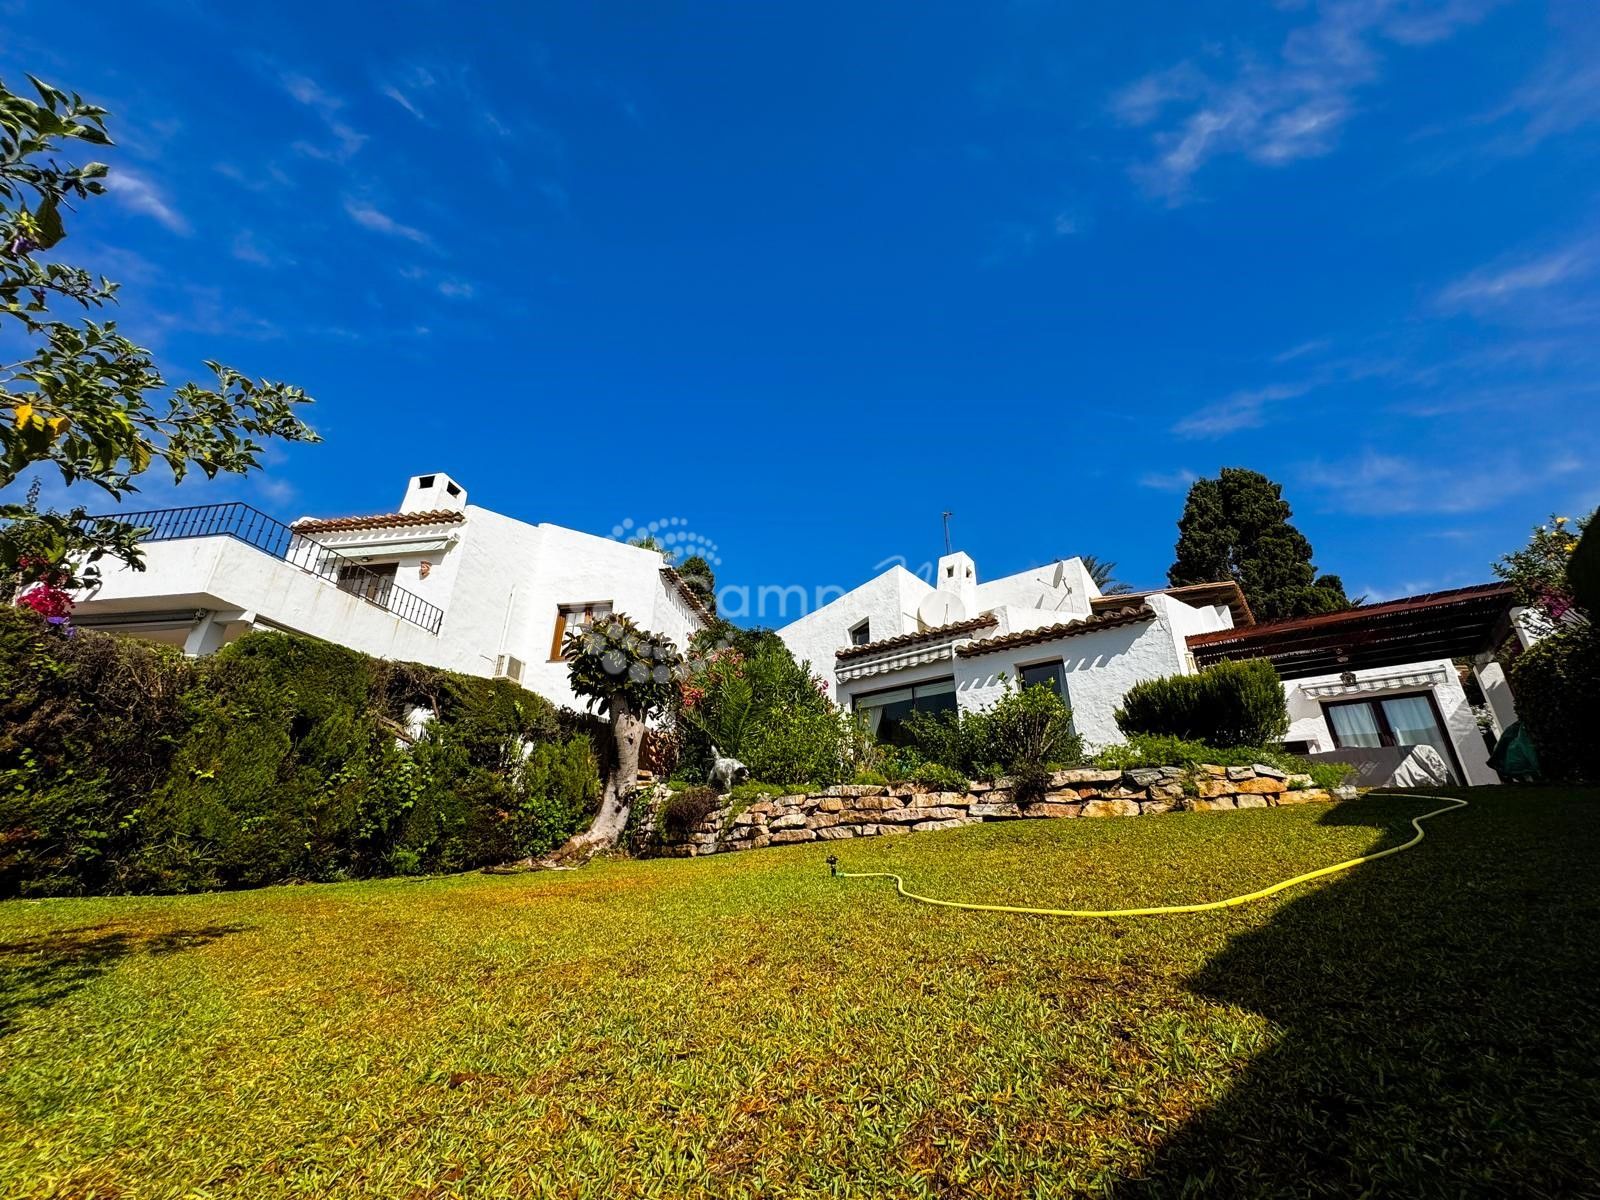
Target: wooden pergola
[[1455, 624]]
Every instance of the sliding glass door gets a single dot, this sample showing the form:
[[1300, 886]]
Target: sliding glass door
[[1392, 721]]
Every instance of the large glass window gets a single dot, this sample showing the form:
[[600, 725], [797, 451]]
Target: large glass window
[[887, 711], [1391, 721]]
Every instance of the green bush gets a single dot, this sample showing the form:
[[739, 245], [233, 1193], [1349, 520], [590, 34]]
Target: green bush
[[1027, 728], [763, 708], [1557, 685], [126, 767], [938, 777], [1227, 704], [87, 730], [683, 811], [1583, 569]]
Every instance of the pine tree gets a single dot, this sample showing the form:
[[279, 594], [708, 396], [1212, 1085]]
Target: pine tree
[[1237, 527]]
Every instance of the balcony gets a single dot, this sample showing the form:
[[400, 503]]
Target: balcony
[[254, 528]]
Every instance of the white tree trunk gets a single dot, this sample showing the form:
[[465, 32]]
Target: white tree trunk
[[616, 801]]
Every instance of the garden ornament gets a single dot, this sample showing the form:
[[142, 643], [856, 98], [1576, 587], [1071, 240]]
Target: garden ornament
[[726, 773]]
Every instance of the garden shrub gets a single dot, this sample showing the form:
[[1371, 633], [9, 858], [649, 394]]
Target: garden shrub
[[1583, 569], [88, 724], [760, 706], [1023, 729], [127, 767], [1227, 704], [938, 777], [683, 811], [1557, 685]]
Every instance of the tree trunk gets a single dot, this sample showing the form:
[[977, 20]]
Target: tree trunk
[[616, 801]]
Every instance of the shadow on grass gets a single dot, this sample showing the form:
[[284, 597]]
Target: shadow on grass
[[1438, 1019], [39, 971]]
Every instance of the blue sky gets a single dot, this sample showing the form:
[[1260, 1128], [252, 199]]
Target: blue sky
[[804, 276]]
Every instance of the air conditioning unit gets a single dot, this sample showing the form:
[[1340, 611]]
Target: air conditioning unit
[[509, 667]]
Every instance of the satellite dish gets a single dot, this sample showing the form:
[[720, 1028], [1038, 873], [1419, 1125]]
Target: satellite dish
[[940, 608]]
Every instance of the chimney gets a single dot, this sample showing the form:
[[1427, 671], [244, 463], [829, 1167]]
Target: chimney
[[433, 493], [958, 576]]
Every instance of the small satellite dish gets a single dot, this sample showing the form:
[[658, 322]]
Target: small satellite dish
[[940, 608]]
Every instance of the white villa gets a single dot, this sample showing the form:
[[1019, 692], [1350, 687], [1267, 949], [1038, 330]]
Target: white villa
[[1377, 676], [444, 582], [437, 581]]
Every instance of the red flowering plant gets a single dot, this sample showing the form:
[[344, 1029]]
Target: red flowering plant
[[47, 594]]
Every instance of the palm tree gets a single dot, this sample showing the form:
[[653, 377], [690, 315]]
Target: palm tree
[[1103, 572]]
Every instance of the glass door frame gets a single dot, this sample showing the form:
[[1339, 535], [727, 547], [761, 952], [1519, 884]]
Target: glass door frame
[[1386, 735]]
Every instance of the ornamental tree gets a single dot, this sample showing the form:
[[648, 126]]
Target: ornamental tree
[[1237, 527], [83, 400], [1539, 573], [628, 675]]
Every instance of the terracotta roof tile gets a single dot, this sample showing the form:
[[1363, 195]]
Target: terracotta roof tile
[[441, 516], [689, 595], [954, 629], [1131, 615]]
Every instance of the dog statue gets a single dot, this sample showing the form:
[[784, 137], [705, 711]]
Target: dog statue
[[726, 773]]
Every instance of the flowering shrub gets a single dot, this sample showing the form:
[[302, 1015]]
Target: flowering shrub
[[47, 595], [1538, 572]]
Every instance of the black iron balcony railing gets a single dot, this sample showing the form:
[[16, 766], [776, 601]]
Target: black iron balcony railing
[[255, 528]]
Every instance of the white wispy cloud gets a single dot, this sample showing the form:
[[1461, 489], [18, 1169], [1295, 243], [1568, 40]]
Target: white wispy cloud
[[142, 195], [404, 101], [347, 141], [1490, 286], [1284, 108], [371, 217], [248, 247], [1176, 480], [1379, 484], [456, 289], [1243, 409]]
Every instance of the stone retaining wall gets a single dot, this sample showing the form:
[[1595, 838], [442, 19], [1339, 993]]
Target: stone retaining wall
[[869, 810]]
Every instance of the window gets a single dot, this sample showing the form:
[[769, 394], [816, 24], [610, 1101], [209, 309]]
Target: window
[[861, 634], [886, 711], [1393, 721], [1050, 674], [369, 581], [572, 616]]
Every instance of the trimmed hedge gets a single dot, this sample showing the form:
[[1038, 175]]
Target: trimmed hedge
[[1557, 685], [1227, 704], [125, 767], [1583, 568]]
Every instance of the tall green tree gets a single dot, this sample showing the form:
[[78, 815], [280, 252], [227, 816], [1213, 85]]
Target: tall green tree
[[1237, 527], [81, 399]]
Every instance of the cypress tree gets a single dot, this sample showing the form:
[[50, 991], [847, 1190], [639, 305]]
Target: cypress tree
[[1237, 527]]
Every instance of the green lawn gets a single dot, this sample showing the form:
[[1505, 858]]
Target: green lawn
[[745, 1025]]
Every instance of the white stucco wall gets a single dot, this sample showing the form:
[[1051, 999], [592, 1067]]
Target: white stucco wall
[[1033, 598], [1308, 723], [1100, 668], [889, 601], [499, 582]]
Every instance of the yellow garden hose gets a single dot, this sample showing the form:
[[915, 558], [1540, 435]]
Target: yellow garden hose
[[1230, 902]]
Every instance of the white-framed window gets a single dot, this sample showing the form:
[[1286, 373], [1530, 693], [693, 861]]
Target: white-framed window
[[861, 633], [575, 616]]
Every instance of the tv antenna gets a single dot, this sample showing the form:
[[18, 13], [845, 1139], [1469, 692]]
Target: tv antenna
[[947, 515]]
